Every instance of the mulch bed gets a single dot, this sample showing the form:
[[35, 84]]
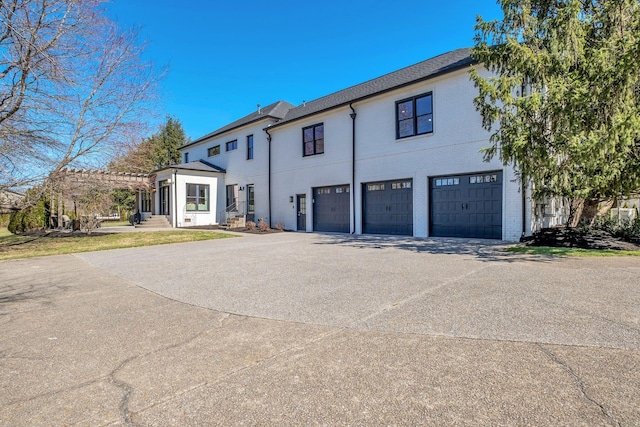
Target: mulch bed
[[562, 237]]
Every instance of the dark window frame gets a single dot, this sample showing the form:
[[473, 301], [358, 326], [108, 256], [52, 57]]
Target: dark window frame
[[249, 147], [415, 116], [314, 140], [186, 157], [233, 144], [213, 150], [197, 197]]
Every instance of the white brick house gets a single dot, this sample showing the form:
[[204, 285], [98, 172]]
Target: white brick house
[[399, 154]]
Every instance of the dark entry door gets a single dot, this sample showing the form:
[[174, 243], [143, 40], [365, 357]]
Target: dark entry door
[[165, 199], [250, 203], [331, 209], [388, 207], [467, 206], [302, 212]]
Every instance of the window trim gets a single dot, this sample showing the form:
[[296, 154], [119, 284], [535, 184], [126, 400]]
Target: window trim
[[315, 140], [234, 146], [197, 197], [250, 147], [209, 150], [414, 119], [186, 157]]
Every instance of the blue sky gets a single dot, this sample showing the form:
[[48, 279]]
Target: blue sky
[[224, 57]]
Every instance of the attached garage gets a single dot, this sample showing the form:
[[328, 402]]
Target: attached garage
[[331, 209], [388, 207], [466, 206]]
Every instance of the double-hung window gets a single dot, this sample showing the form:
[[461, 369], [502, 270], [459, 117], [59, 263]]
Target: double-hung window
[[249, 147], [232, 145], [197, 197], [414, 116], [313, 140]]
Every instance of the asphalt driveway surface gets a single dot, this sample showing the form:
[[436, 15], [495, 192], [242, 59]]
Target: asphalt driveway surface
[[308, 329]]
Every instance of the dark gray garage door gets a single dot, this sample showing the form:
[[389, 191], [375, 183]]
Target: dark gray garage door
[[388, 207], [331, 209], [467, 206]]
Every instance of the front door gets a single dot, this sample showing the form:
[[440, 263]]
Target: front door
[[302, 212], [250, 203], [165, 200]]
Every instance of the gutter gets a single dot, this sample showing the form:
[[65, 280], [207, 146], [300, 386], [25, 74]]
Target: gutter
[[353, 164], [269, 173], [524, 209], [175, 198]]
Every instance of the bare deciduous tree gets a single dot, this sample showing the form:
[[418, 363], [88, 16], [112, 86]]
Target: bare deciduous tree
[[73, 88]]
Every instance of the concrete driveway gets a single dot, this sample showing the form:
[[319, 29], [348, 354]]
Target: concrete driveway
[[308, 329]]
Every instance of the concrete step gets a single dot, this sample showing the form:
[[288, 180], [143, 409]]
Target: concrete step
[[155, 221]]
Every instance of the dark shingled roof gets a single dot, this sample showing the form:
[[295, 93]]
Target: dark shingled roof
[[277, 110], [424, 70], [198, 165]]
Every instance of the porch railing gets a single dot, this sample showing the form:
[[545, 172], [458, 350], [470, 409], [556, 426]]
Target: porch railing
[[234, 210]]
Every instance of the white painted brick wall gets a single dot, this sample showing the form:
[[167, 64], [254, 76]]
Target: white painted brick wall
[[240, 170], [453, 148]]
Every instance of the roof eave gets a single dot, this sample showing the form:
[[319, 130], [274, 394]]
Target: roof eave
[[343, 104], [213, 135]]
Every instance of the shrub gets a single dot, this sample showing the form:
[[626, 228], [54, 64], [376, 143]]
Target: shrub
[[251, 225], [624, 229], [280, 226], [32, 218], [263, 226]]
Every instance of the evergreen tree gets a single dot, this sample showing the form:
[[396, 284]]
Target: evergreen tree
[[167, 142], [157, 151], [563, 103]]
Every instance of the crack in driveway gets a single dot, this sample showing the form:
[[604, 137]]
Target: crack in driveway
[[580, 385]]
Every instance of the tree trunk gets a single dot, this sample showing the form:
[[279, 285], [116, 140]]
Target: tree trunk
[[589, 212], [576, 207]]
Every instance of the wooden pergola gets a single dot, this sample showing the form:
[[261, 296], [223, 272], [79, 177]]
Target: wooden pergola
[[68, 183]]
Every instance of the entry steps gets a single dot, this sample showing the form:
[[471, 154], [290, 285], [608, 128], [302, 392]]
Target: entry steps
[[155, 221]]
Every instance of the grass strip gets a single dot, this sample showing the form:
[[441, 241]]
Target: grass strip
[[569, 252], [27, 246]]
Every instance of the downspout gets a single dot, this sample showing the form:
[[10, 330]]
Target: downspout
[[269, 174], [175, 199], [353, 164], [524, 209]]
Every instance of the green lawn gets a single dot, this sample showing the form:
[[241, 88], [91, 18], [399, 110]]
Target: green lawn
[[547, 250], [26, 246], [114, 223]]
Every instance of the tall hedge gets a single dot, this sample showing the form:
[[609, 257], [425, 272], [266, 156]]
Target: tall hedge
[[29, 219]]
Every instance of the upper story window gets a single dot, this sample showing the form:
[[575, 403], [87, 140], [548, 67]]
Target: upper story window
[[213, 151], [414, 116], [186, 157], [232, 145], [249, 147], [313, 140]]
